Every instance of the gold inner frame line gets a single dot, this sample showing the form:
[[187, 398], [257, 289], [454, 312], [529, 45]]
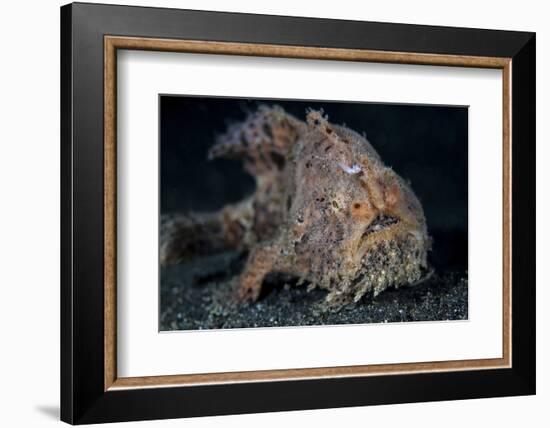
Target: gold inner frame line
[[113, 43]]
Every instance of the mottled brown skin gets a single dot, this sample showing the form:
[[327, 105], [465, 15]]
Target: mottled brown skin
[[325, 210]]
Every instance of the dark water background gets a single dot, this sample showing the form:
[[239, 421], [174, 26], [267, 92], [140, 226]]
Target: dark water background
[[427, 145]]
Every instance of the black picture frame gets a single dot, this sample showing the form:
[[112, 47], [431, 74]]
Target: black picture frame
[[83, 396]]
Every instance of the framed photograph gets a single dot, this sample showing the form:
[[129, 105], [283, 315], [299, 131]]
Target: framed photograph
[[266, 213]]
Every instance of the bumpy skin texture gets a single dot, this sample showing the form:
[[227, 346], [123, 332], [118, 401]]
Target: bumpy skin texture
[[326, 210]]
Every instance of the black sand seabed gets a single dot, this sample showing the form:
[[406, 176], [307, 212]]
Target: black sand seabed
[[198, 295]]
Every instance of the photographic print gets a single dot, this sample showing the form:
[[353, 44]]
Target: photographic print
[[296, 183], [296, 213]]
